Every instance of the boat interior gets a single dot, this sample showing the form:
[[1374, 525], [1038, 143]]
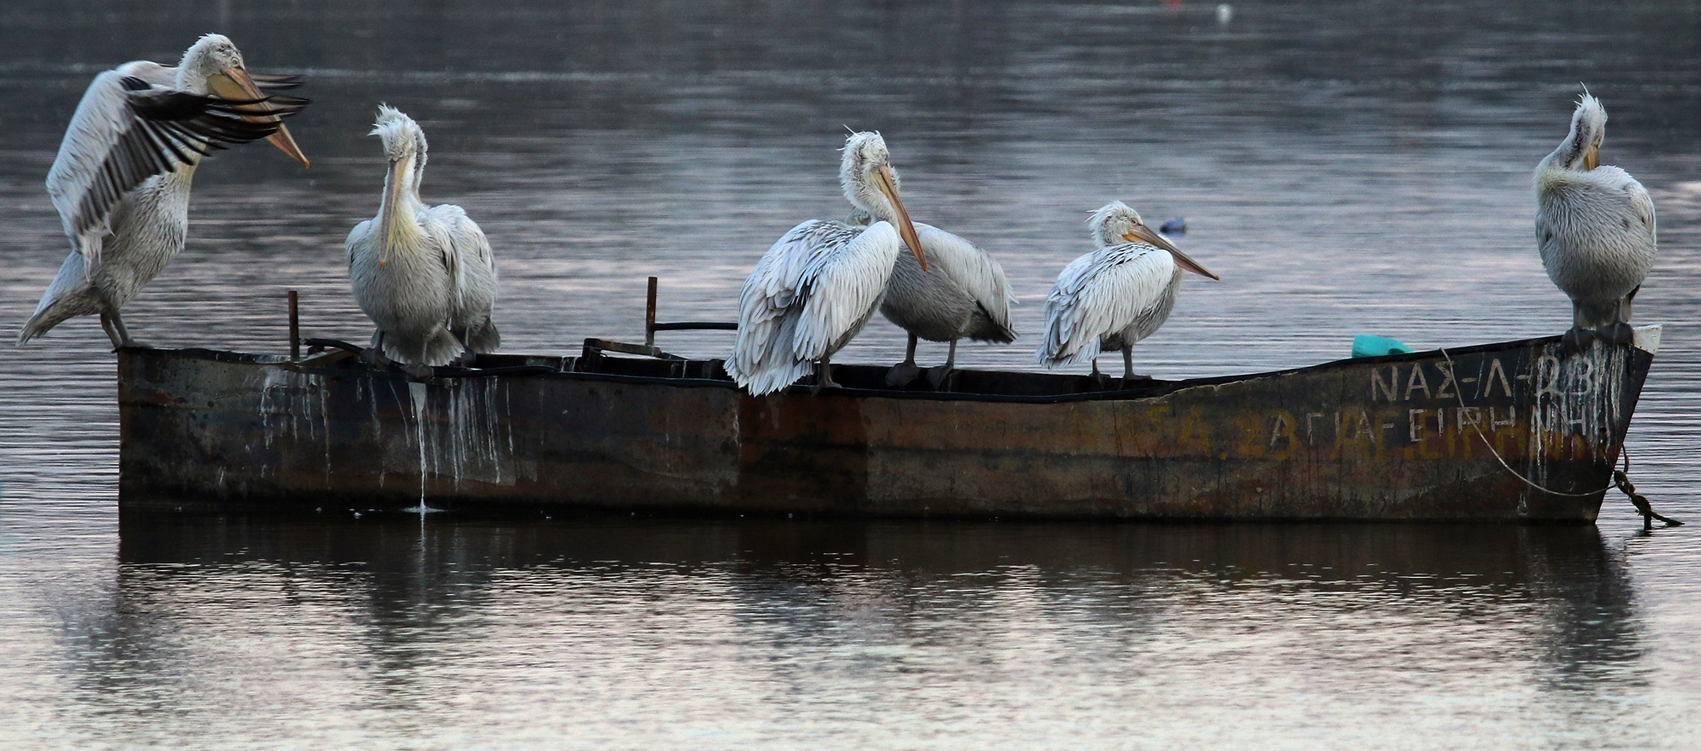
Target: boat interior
[[607, 359], [621, 360]]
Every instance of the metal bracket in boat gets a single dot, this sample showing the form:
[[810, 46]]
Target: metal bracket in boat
[[651, 326], [594, 347]]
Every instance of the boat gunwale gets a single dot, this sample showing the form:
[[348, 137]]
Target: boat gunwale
[[1159, 389]]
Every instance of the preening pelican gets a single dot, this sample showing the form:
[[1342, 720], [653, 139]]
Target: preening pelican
[[121, 180], [962, 294], [426, 277], [1114, 296], [1595, 229], [816, 288]]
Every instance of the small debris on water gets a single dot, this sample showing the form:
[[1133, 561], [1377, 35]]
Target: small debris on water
[[1176, 226]]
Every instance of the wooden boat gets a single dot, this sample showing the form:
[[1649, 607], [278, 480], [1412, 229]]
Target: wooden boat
[[1500, 432]]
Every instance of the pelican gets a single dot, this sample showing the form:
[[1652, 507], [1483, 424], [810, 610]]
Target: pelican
[[964, 294], [818, 285], [121, 180], [1595, 229], [426, 277], [1114, 296]]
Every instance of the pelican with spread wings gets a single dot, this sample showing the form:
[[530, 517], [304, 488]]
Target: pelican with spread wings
[[121, 180], [816, 288]]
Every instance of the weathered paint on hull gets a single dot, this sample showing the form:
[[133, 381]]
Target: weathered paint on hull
[[1392, 438]]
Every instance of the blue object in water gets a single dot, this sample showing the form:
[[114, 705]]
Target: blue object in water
[[1365, 345], [1176, 226]]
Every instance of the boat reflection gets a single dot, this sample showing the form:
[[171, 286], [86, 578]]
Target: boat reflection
[[396, 589]]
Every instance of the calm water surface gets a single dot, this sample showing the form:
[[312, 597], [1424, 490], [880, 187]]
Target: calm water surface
[[1346, 169]]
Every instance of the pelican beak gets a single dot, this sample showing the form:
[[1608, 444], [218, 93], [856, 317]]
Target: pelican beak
[[233, 84], [1592, 159], [883, 180], [1143, 234], [392, 196]]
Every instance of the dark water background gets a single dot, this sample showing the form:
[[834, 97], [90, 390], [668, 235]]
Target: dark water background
[[1347, 168]]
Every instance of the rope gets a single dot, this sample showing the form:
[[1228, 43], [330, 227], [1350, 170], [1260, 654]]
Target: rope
[[1458, 393], [1620, 477]]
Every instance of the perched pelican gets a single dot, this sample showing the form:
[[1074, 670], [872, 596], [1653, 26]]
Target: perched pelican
[[121, 180], [817, 286], [1114, 296], [426, 277], [1595, 227], [963, 294]]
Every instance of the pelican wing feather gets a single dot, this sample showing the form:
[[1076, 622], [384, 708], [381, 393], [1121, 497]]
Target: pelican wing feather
[[129, 128], [1098, 294], [1640, 203], [361, 234], [845, 285], [468, 259], [973, 270], [813, 288], [1595, 230]]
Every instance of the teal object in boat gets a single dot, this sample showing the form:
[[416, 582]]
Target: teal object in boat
[[1365, 345]]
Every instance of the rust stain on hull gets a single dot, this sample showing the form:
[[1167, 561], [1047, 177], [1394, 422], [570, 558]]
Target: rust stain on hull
[[1405, 437]]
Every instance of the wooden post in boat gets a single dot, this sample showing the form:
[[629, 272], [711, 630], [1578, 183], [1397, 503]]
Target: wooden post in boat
[[650, 315], [294, 325]]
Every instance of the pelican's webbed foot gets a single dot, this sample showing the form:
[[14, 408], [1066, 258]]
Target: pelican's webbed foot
[[1100, 381], [113, 324], [1616, 333], [418, 372], [823, 377], [374, 356], [938, 375], [467, 356], [1576, 340], [902, 374]]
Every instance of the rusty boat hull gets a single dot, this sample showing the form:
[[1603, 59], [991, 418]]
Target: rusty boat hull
[[1510, 432]]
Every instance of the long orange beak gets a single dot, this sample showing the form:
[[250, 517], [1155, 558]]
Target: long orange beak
[[235, 85], [392, 196], [883, 180], [1592, 159], [1143, 234]]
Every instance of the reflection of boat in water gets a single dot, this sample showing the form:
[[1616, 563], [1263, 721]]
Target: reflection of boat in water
[[1474, 597], [1432, 556], [1408, 436]]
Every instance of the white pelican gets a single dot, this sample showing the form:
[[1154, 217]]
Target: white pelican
[[817, 286], [1114, 296], [962, 294], [426, 277], [121, 180], [1595, 228]]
